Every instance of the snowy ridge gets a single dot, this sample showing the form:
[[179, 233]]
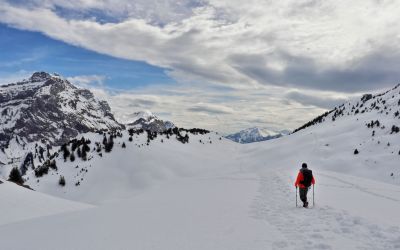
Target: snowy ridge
[[385, 106], [148, 121], [255, 135], [145, 115]]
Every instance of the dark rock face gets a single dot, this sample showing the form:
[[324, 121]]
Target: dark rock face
[[50, 108], [27, 164], [40, 76]]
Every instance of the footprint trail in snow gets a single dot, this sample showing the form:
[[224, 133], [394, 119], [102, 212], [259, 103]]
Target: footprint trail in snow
[[315, 228]]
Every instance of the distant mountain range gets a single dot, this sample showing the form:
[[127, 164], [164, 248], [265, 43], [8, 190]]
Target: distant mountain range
[[255, 134]]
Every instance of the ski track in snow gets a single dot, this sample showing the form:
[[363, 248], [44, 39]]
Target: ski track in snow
[[317, 227], [364, 190]]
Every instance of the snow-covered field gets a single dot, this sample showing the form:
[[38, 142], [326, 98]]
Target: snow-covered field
[[222, 196], [20, 204], [219, 195]]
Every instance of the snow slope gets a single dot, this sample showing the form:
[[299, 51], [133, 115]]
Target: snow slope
[[232, 210], [125, 171], [19, 204]]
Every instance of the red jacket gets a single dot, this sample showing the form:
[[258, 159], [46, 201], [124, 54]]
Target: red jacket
[[300, 178]]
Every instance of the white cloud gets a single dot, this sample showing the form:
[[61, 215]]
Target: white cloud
[[154, 11], [261, 49], [15, 77], [86, 80], [326, 36], [226, 111], [317, 99]]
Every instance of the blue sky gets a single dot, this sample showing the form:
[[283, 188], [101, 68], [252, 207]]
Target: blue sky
[[26, 51]]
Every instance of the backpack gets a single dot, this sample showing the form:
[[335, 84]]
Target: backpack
[[307, 177]]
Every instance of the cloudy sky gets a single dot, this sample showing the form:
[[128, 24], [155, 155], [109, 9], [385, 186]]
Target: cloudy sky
[[218, 64]]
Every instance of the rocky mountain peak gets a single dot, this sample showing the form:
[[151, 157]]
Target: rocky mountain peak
[[50, 108], [40, 77], [148, 121]]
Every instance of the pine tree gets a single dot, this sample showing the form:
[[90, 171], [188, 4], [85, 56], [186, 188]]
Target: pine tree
[[72, 157], [41, 151], [123, 145], [105, 140], [110, 144], [42, 170], [61, 181], [356, 152], [66, 152], [15, 176], [84, 155], [53, 164], [74, 145], [86, 147]]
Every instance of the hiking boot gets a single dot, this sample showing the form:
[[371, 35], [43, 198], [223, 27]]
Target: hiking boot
[[305, 204]]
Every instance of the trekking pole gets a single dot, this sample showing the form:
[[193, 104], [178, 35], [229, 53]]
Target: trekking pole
[[296, 196], [313, 203]]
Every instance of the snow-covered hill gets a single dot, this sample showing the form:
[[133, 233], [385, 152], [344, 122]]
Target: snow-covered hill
[[377, 112], [49, 108], [94, 172], [255, 135]]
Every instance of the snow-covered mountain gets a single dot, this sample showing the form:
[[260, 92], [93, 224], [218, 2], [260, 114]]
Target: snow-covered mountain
[[50, 109], [361, 137], [255, 134], [379, 112], [148, 121], [44, 112]]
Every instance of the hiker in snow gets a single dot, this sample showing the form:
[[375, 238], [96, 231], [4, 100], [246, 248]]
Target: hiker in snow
[[304, 180]]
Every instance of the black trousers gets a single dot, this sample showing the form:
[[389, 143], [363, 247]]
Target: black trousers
[[303, 194]]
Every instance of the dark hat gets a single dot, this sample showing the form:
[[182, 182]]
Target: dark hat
[[304, 165]]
